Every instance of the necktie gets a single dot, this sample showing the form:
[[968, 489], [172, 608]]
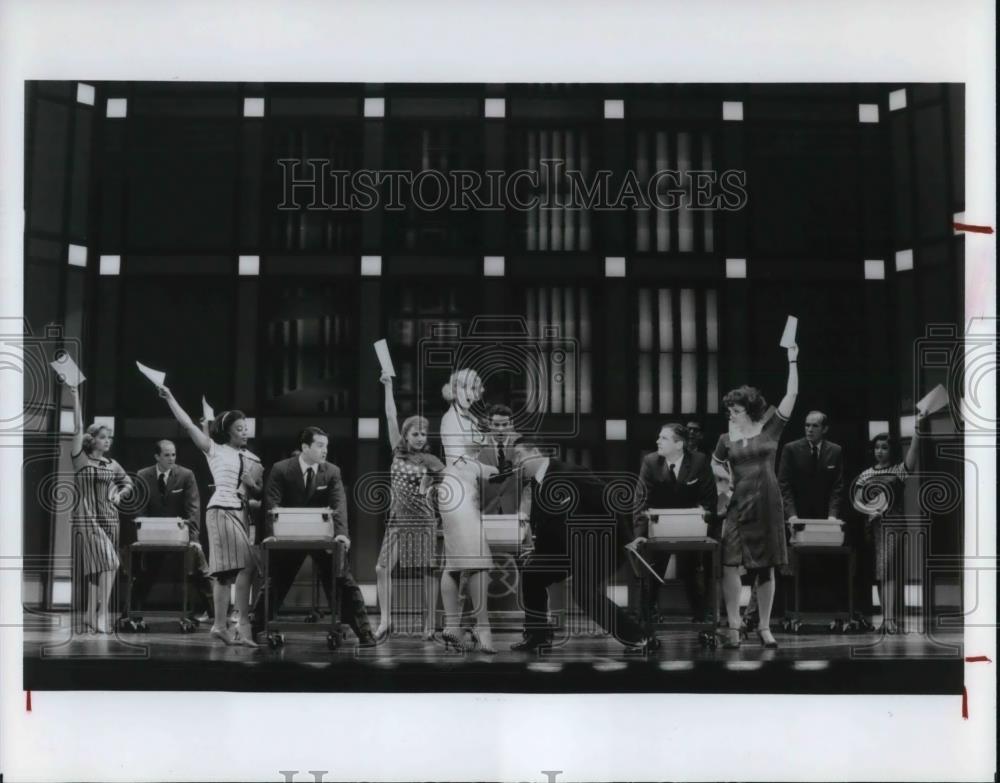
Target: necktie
[[673, 471], [161, 481], [815, 458], [501, 458], [310, 482]]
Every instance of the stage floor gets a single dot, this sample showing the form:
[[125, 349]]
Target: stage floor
[[165, 659]]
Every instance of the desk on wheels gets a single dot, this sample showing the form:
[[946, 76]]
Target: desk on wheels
[[273, 629], [135, 618], [655, 546], [797, 550]]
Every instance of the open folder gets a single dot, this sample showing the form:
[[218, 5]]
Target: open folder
[[206, 409], [67, 370]]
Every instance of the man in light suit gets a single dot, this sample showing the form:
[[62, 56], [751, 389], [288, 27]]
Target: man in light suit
[[309, 481], [811, 474], [171, 491]]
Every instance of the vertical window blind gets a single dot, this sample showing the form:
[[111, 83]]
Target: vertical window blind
[[310, 350], [685, 229], [560, 324], [318, 229], [557, 227], [678, 347]]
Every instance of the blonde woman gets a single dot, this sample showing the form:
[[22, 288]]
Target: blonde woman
[[410, 534], [466, 549], [101, 484]]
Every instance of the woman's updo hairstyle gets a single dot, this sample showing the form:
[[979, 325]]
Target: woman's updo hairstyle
[[222, 424], [749, 398], [90, 436]]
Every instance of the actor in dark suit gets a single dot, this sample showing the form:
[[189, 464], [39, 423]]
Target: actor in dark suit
[[309, 481], [500, 496], [811, 474], [568, 516], [674, 477], [171, 491]]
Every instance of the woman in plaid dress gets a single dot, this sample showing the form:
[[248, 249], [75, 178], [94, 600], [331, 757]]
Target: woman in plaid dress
[[410, 535], [237, 474], [101, 484]]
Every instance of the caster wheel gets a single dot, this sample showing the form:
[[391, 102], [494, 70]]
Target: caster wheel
[[142, 627], [332, 641], [275, 640], [796, 626]]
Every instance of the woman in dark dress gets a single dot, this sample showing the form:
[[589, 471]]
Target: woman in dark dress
[[101, 484], [753, 534], [411, 532], [878, 494]]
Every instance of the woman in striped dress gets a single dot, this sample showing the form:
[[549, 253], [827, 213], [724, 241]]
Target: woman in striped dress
[[878, 494], [237, 474], [101, 484], [410, 535]]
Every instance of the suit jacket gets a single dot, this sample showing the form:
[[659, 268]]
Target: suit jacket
[[569, 495], [804, 494], [694, 486], [502, 498], [286, 487], [182, 499]]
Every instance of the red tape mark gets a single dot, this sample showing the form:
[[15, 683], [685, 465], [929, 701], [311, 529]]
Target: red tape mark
[[965, 703], [978, 659], [972, 228], [29, 700]]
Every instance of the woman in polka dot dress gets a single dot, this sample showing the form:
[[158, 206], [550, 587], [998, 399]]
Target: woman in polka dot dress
[[410, 535]]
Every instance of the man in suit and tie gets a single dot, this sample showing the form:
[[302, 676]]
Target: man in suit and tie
[[811, 474], [171, 491], [675, 477], [811, 478], [576, 536], [500, 496], [309, 481]]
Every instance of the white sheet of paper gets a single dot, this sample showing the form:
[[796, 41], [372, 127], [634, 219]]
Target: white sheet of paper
[[382, 351], [788, 336], [67, 370], [933, 401], [155, 376], [206, 409]]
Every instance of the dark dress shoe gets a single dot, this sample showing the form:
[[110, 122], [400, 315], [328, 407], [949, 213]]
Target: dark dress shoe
[[532, 642]]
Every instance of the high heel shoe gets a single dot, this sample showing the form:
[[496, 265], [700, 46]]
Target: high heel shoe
[[452, 639], [223, 635], [479, 646], [383, 631], [730, 638], [769, 644], [890, 627], [244, 637], [428, 634]]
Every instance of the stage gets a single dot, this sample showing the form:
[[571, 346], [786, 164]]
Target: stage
[[165, 659]]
